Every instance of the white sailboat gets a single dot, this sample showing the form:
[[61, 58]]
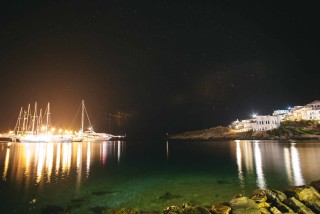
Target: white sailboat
[[90, 134], [32, 130]]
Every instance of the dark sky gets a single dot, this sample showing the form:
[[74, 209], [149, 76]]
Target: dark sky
[[170, 66]]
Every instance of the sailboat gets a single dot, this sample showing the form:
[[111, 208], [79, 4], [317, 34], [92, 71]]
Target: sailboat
[[90, 134], [33, 129]]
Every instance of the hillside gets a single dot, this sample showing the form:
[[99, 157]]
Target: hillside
[[305, 129]]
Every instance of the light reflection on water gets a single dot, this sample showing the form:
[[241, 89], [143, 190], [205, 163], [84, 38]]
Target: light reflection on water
[[137, 175], [260, 156], [41, 162]]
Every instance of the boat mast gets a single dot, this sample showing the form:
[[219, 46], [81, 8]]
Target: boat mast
[[82, 117], [48, 116], [17, 128], [27, 118], [34, 117], [39, 121], [90, 125], [24, 121]]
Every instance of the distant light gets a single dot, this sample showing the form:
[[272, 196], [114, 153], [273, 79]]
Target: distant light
[[254, 115], [289, 108]]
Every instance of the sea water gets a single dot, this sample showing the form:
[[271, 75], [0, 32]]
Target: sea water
[[150, 175]]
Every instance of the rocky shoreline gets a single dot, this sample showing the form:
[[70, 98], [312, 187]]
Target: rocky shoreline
[[285, 132], [296, 199]]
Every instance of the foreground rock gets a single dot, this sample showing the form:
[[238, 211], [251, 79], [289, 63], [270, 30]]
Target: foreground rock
[[298, 199], [307, 195], [186, 209], [244, 205]]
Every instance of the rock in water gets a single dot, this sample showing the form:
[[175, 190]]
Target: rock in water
[[274, 210], [264, 211], [169, 196], [220, 209], [274, 198], [244, 205], [186, 210], [306, 194], [297, 206]]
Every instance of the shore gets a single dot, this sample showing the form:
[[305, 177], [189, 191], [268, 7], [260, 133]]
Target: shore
[[302, 130], [295, 199]]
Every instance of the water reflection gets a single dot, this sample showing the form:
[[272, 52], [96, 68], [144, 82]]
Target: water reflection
[[239, 164], [34, 163], [261, 182], [6, 163], [261, 160], [296, 168]]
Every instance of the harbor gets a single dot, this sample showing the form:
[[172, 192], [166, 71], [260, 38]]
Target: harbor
[[35, 126]]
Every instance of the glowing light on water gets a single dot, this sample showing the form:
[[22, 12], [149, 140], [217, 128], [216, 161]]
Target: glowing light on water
[[104, 153], [27, 164], [58, 159], [296, 168], [293, 166], [79, 155], [40, 161], [49, 160], [36, 163], [239, 163], [287, 162], [119, 151], [79, 165], [258, 162], [65, 158], [167, 150], [6, 164], [88, 158], [248, 155]]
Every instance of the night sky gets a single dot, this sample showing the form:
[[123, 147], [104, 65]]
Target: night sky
[[166, 66]]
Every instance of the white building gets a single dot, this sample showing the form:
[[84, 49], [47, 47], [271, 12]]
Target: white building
[[267, 122], [315, 105], [310, 111], [280, 112], [243, 125]]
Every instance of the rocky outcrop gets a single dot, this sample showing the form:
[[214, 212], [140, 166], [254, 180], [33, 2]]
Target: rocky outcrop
[[220, 209], [295, 199], [244, 205], [302, 130], [297, 206], [270, 198], [186, 209], [307, 195]]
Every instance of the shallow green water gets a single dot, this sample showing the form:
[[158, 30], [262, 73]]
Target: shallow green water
[[150, 175]]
